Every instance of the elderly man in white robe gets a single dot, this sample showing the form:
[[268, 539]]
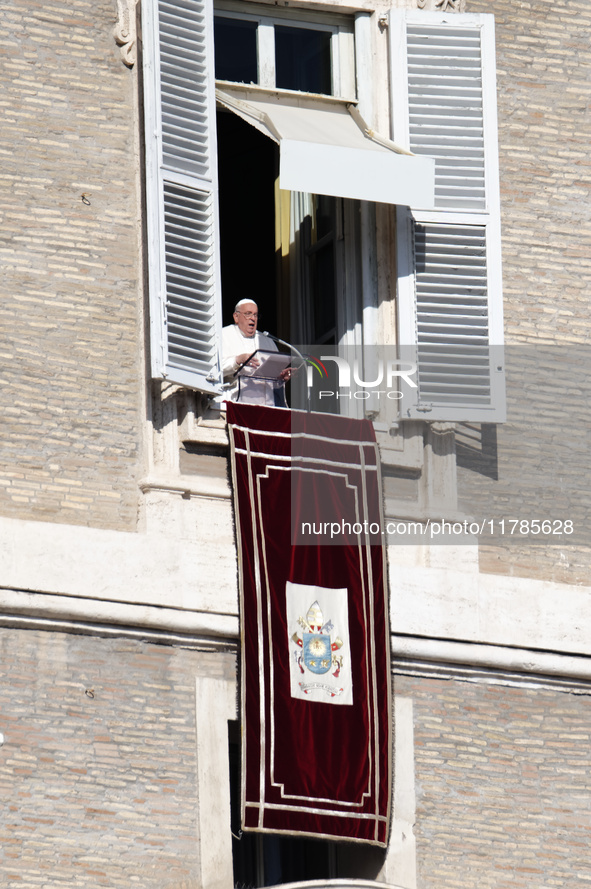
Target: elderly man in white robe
[[239, 341]]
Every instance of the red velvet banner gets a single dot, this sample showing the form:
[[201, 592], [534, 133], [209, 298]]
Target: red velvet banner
[[316, 707]]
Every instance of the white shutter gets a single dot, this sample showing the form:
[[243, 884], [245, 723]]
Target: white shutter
[[443, 93], [183, 257], [445, 110]]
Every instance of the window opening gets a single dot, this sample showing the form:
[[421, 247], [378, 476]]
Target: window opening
[[291, 271], [247, 163], [269, 859], [298, 51], [236, 50], [303, 60], [285, 250]]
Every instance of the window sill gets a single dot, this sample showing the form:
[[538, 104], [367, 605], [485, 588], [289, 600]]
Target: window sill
[[339, 883], [187, 486]]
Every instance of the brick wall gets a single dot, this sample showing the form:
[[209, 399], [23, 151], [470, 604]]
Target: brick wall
[[503, 785], [101, 790], [542, 454], [98, 791], [69, 306], [543, 57]]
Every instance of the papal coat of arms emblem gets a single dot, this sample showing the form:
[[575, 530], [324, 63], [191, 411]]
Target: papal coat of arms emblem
[[318, 644], [318, 649]]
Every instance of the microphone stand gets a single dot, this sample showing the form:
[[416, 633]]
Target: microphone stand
[[291, 348]]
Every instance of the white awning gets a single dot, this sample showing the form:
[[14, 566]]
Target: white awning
[[326, 148]]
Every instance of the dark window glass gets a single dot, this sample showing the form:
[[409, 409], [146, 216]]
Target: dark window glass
[[324, 284], [235, 50], [321, 257], [302, 60], [325, 215]]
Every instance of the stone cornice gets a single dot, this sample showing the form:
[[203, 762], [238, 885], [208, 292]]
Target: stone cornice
[[442, 5]]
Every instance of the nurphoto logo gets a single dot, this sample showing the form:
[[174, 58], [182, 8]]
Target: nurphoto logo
[[390, 374]]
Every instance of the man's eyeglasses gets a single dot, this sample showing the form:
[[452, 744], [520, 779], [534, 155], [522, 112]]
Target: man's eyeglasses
[[249, 314]]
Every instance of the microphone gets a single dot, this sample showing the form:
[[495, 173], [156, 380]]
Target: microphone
[[276, 339]]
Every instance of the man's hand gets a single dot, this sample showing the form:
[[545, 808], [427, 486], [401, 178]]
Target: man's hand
[[240, 359]]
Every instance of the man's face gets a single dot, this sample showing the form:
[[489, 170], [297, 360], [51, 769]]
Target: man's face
[[246, 317]]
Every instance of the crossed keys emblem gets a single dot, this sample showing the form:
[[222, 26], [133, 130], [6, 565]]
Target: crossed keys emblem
[[317, 650]]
